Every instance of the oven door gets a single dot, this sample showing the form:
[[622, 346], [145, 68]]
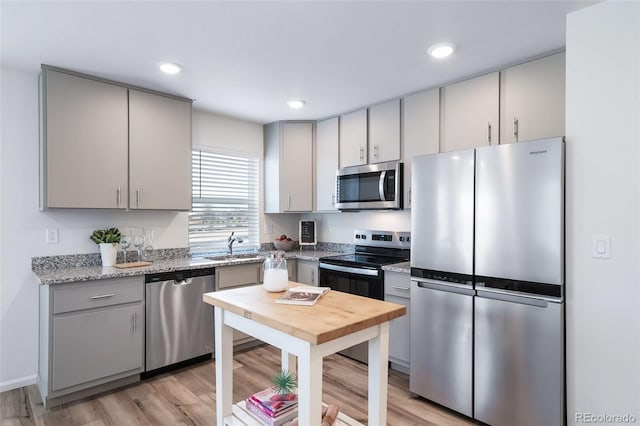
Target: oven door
[[359, 280]]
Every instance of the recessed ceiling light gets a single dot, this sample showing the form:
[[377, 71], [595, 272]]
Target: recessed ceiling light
[[441, 50], [296, 104], [170, 68]]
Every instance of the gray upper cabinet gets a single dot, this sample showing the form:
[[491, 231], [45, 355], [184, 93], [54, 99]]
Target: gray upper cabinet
[[469, 113], [288, 167], [353, 138], [532, 100], [421, 130], [105, 145], [327, 137], [384, 132], [159, 152], [83, 158]]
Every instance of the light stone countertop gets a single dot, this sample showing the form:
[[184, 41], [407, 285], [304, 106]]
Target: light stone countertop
[[403, 267], [88, 273]]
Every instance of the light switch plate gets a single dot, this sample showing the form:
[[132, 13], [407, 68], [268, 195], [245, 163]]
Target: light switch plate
[[601, 246]]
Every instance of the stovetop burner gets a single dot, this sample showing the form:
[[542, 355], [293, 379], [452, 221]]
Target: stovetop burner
[[375, 249]]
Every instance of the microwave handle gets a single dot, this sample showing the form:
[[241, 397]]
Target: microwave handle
[[383, 176]]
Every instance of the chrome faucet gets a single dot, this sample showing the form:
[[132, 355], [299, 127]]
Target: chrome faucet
[[231, 240]]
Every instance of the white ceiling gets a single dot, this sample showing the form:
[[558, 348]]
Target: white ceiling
[[246, 59]]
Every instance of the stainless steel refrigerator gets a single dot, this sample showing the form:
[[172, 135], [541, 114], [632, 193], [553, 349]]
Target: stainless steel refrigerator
[[487, 291]]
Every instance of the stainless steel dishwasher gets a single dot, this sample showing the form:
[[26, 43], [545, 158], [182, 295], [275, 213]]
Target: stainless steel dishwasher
[[179, 325]]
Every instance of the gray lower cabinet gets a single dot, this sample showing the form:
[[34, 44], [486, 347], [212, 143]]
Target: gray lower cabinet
[[308, 272], [397, 290], [91, 337], [233, 276]]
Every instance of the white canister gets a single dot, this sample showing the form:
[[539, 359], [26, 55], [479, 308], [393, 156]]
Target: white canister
[[276, 274]]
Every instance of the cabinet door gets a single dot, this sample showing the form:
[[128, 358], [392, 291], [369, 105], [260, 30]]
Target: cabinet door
[[353, 139], [397, 289], [296, 169], [84, 143], [399, 333], [384, 132], [326, 164], [159, 152], [308, 272], [469, 113], [91, 345], [421, 130], [532, 100]]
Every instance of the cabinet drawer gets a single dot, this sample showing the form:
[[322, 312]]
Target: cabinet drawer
[[95, 294], [397, 284], [235, 276]]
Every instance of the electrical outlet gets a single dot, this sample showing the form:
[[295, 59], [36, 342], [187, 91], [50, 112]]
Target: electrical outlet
[[268, 228], [52, 236]]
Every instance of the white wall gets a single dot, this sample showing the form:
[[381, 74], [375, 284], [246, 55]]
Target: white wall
[[339, 227], [603, 197]]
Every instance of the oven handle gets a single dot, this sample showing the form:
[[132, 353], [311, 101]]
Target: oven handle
[[351, 270], [383, 177]]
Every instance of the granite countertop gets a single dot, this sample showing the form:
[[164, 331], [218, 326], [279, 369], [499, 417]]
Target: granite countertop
[[67, 274], [403, 267]]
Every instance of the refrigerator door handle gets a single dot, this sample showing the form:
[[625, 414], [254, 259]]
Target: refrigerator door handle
[[505, 296], [448, 287]]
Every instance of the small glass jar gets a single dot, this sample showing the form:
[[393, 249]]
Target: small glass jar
[[276, 274]]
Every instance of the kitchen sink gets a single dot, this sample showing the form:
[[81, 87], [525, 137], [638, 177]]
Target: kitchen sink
[[237, 258]]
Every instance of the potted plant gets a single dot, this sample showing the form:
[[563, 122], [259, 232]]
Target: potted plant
[[284, 383], [107, 239]]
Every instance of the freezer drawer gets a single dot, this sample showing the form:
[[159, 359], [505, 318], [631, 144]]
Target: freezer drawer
[[442, 344], [519, 361]]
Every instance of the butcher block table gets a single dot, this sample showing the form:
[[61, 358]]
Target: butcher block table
[[338, 321]]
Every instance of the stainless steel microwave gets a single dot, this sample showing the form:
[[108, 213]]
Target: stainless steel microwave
[[374, 186]]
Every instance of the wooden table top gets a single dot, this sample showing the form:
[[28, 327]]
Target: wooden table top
[[335, 315]]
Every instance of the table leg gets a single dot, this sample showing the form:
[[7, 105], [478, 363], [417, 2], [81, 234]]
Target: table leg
[[310, 387], [378, 376], [288, 362], [224, 367]]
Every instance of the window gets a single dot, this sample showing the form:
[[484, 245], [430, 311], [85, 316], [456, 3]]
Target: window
[[225, 200]]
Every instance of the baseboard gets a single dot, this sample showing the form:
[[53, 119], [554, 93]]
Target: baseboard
[[18, 383]]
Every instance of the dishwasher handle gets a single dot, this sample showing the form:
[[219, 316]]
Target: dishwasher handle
[[184, 282]]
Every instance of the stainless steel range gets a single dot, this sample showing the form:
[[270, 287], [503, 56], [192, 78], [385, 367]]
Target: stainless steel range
[[361, 272]]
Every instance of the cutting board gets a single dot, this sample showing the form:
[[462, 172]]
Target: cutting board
[[132, 265]]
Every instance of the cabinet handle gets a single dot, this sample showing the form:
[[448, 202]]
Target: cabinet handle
[[288, 201], [400, 288], [361, 154], [333, 199], [489, 133], [138, 197], [409, 195], [102, 296], [515, 129], [375, 151], [313, 277], [118, 197], [135, 315]]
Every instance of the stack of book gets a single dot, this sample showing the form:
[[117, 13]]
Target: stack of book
[[272, 408]]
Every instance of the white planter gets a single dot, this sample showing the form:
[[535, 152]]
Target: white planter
[[108, 252]]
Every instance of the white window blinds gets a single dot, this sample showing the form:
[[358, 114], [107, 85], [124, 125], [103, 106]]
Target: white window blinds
[[225, 200]]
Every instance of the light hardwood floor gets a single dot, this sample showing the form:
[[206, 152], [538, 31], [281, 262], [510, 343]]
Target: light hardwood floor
[[187, 397]]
